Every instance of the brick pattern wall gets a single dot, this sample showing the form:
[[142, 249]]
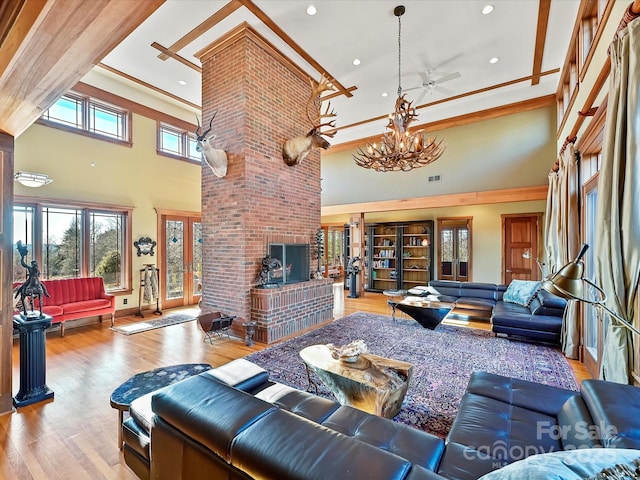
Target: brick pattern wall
[[280, 312], [259, 103]]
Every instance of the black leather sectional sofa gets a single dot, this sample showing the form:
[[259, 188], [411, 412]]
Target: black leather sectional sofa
[[204, 428], [540, 321]]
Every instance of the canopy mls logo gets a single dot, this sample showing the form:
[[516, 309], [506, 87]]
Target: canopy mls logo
[[434, 178]]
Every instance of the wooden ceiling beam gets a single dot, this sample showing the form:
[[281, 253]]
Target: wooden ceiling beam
[[53, 44], [541, 37]]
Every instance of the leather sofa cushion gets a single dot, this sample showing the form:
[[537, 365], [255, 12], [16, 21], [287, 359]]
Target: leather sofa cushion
[[208, 411], [575, 425], [85, 306], [443, 287], [421, 473], [460, 462], [502, 430], [419, 447], [615, 409], [535, 396], [307, 405], [283, 445], [545, 303], [551, 324], [507, 308]]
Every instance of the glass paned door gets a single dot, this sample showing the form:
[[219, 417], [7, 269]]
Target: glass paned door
[[454, 249], [182, 261]]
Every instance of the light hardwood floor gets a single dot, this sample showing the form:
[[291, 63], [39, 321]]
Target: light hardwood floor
[[74, 436]]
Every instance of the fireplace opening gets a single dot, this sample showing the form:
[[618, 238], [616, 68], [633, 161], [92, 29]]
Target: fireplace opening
[[295, 258]]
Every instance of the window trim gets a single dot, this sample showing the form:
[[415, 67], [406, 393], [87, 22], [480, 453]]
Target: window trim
[[87, 102], [184, 136], [39, 203]]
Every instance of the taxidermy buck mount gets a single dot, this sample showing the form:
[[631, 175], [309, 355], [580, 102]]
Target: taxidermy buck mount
[[296, 149], [215, 158]]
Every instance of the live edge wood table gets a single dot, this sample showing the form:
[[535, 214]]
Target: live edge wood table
[[428, 313], [373, 384]]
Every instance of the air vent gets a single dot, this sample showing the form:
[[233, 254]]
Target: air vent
[[434, 178]]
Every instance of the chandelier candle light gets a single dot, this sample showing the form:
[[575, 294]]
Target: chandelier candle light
[[400, 150]]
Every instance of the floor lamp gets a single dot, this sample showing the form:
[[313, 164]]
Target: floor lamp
[[568, 283]]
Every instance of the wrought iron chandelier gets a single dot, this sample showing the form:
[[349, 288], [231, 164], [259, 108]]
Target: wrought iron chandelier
[[399, 150]]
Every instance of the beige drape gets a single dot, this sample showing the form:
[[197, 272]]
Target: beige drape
[[618, 208], [563, 236]]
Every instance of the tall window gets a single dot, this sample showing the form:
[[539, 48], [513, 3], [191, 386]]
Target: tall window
[[89, 116], [72, 242], [23, 218], [591, 326], [176, 142]]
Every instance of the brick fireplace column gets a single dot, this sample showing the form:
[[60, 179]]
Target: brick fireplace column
[[260, 99]]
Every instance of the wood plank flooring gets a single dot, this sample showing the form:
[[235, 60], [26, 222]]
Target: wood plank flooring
[[74, 436]]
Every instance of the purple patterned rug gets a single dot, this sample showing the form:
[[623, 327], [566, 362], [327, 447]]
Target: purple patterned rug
[[443, 358]]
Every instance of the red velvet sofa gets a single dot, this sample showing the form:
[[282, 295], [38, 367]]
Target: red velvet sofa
[[74, 298]]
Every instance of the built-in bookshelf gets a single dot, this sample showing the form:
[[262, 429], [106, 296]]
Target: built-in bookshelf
[[399, 256]]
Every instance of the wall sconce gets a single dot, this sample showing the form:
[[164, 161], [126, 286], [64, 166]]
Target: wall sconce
[[33, 180]]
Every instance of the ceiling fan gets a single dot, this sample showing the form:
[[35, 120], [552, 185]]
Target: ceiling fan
[[429, 84]]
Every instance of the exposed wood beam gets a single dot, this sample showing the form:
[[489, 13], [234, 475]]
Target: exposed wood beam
[[177, 57], [456, 97], [205, 26], [56, 49], [541, 37], [264, 18], [148, 85], [457, 121], [523, 194]]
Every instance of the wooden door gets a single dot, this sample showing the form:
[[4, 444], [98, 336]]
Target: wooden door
[[522, 243], [181, 270]]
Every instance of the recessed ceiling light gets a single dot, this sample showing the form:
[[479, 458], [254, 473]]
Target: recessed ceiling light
[[487, 9], [384, 95], [494, 60], [182, 82], [311, 10], [356, 61]]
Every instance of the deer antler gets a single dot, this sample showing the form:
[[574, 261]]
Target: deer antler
[[316, 90]]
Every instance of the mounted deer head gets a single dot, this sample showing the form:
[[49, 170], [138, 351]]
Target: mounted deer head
[[296, 150], [215, 158]]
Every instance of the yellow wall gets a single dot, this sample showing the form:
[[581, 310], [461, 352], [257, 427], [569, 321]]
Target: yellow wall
[[130, 176], [511, 151]]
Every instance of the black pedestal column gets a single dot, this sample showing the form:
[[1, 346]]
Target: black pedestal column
[[33, 387]]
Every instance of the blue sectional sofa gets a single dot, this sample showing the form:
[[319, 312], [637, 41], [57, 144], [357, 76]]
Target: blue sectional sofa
[[540, 321]]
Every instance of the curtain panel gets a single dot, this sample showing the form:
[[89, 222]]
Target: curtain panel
[[618, 207], [563, 236]]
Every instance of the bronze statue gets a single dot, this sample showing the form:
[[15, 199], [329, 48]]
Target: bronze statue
[[32, 287]]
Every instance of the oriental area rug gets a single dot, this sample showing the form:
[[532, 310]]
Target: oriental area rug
[[443, 361]]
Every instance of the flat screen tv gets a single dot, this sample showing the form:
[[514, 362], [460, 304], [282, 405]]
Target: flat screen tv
[[295, 262]]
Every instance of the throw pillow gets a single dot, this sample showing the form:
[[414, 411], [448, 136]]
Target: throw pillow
[[581, 464], [521, 292]]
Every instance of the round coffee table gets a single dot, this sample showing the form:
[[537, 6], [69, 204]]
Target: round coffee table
[[146, 382]]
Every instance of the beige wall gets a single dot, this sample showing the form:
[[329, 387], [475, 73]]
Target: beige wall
[[130, 176], [511, 151]]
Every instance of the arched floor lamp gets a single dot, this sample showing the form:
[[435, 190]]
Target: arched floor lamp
[[569, 281]]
